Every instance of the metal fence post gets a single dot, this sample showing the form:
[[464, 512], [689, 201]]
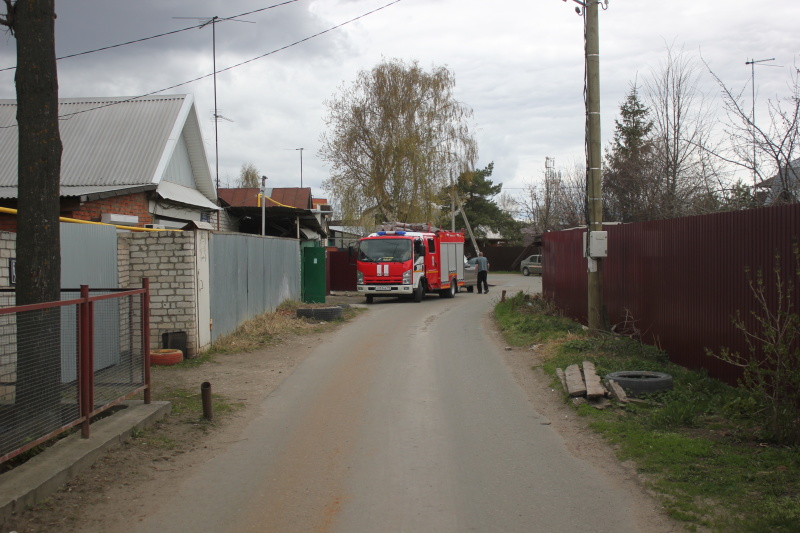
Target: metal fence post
[[146, 338], [85, 362]]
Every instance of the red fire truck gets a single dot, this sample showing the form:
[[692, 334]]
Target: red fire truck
[[410, 263]]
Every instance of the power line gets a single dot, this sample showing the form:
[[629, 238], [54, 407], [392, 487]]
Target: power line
[[151, 93], [143, 39]]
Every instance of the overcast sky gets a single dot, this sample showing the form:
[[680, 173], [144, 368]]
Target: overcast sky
[[518, 64]]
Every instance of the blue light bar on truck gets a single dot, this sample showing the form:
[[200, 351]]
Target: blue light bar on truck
[[382, 233]]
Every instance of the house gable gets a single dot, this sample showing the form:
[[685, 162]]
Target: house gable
[[150, 147]]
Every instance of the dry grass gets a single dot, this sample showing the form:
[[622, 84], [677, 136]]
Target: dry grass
[[269, 329]]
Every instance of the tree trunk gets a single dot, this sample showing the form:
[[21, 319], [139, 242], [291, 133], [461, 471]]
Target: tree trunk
[[38, 240]]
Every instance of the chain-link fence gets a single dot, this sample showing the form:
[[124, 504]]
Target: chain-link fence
[[62, 363]]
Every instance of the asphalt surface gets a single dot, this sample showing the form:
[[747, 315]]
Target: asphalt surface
[[408, 420]]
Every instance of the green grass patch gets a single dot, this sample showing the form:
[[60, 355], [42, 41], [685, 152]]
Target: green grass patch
[[701, 446], [526, 319], [190, 403]]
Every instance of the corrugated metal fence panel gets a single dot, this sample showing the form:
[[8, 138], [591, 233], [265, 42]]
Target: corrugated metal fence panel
[[250, 275], [342, 270], [89, 257], [681, 282], [501, 257]]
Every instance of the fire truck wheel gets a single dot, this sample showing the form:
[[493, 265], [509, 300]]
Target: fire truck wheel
[[369, 299], [453, 288], [419, 292], [449, 292]]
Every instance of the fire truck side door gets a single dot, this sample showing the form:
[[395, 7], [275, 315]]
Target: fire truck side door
[[431, 267], [419, 248]]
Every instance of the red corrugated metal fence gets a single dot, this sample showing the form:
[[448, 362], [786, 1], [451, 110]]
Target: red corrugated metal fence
[[682, 280], [341, 270]]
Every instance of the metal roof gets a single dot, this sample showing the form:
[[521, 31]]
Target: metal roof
[[115, 143], [185, 195]]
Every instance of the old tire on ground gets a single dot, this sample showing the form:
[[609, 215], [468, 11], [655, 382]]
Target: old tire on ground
[[304, 312], [526, 272], [320, 313], [642, 381], [166, 357]]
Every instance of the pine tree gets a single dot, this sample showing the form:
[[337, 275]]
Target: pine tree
[[476, 191], [627, 171]]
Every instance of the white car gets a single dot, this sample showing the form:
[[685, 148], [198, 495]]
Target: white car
[[470, 275], [531, 265]]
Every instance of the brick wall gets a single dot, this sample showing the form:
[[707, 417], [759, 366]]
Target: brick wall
[[124, 261], [168, 259], [8, 249], [131, 204], [8, 327], [8, 222]]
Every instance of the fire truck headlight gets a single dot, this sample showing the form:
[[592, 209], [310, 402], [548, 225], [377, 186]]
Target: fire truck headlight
[[407, 277], [359, 278]]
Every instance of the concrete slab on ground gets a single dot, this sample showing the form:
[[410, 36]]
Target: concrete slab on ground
[[38, 478]]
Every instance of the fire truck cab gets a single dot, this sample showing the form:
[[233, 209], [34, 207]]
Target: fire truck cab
[[410, 264]]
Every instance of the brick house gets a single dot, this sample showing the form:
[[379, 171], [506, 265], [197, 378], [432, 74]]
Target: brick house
[[125, 161]]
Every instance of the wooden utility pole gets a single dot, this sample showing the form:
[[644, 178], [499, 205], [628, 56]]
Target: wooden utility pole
[[593, 165]]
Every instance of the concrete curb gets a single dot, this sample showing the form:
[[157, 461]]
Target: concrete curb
[[32, 482]]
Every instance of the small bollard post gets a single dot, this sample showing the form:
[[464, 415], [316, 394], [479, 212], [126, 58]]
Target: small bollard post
[[503, 296], [205, 394]]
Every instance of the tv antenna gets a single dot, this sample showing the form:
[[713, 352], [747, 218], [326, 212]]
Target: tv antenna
[[753, 63], [301, 163], [213, 22]]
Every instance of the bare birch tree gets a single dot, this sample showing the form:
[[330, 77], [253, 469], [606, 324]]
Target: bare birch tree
[[396, 137], [248, 176], [771, 153], [558, 201], [681, 128]]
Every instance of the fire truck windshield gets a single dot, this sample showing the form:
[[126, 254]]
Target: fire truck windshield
[[384, 250]]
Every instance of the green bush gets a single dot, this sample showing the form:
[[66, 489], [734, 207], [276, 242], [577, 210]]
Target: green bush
[[771, 366]]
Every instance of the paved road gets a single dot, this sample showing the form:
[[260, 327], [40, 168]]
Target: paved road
[[408, 421]]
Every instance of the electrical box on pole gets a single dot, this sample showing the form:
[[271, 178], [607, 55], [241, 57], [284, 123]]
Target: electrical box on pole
[[597, 247]]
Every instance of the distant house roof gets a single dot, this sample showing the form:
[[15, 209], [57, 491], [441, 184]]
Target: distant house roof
[[284, 208], [119, 145], [297, 197], [788, 177]]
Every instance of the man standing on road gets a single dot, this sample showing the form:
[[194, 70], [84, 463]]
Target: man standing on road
[[483, 272]]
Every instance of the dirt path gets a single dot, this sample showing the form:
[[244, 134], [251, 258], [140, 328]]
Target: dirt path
[[126, 484]]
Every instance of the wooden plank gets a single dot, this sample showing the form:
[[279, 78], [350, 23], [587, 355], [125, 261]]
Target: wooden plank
[[594, 388], [616, 391], [563, 378], [575, 384]]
